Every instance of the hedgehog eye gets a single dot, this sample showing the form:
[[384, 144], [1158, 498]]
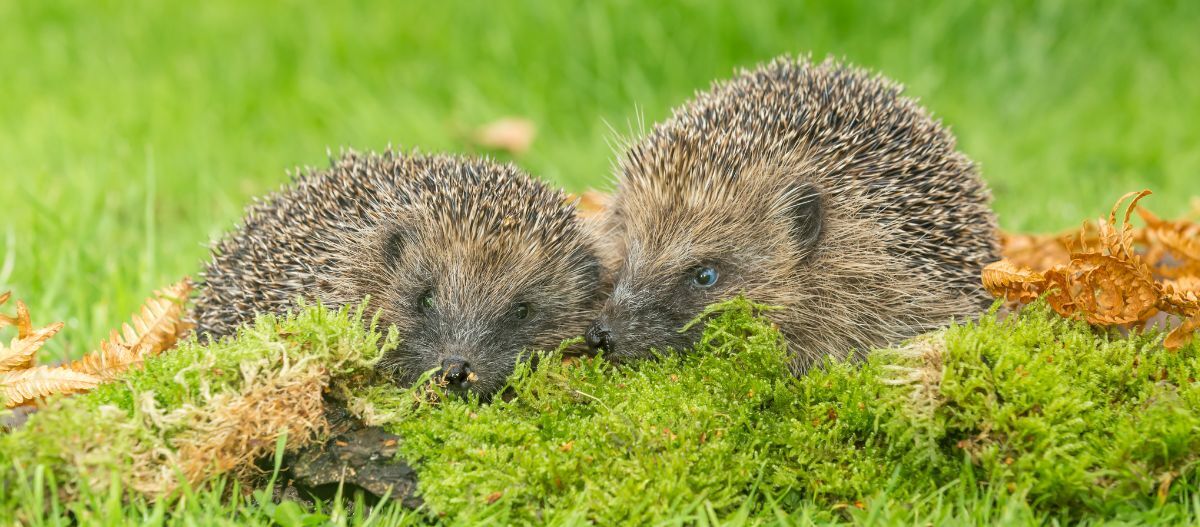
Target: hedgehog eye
[[425, 302], [705, 276], [521, 311]]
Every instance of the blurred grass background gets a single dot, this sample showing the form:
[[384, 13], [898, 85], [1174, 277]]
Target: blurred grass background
[[133, 132]]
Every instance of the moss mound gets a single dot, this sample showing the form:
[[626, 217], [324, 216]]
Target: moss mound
[[199, 411], [1027, 417], [1036, 407]]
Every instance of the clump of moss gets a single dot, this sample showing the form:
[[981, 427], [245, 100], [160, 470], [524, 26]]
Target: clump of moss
[[1079, 421], [199, 411], [1030, 415], [1033, 407]]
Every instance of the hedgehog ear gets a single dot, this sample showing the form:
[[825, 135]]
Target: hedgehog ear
[[807, 212], [395, 239]]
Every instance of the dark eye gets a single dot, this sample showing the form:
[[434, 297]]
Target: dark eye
[[521, 311], [425, 301], [705, 276]]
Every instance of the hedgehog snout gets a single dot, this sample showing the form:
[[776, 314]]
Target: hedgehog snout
[[456, 372], [599, 337]]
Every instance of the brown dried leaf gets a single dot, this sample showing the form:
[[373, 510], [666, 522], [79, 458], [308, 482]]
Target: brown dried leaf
[[19, 387], [1115, 275], [511, 134], [21, 320], [6, 320], [1017, 284], [1103, 289], [108, 361], [1037, 251], [1183, 334], [157, 328], [1182, 239], [1119, 243], [1059, 287], [20, 354], [590, 204]]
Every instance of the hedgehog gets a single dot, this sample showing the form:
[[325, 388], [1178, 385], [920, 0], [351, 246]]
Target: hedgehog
[[815, 188], [473, 262]]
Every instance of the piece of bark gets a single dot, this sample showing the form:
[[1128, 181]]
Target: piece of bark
[[356, 456]]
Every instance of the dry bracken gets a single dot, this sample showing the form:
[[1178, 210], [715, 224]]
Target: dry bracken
[[156, 329], [1110, 273], [19, 386]]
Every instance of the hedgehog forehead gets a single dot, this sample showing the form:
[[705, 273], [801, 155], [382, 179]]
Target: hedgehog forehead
[[489, 228], [700, 152], [493, 205], [478, 280], [665, 231]]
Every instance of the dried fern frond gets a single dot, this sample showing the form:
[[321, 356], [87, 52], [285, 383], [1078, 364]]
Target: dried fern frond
[[1110, 273], [20, 354], [156, 328], [1103, 289], [21, 320], [1016, 283], [1181, 335], [107, 361], [23, 386]]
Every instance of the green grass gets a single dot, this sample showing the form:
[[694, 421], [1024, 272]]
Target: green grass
[[1033, 418], [132, 133]]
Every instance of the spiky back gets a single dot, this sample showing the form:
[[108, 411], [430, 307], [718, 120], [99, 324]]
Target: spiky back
[[289, 241], [879, 153]]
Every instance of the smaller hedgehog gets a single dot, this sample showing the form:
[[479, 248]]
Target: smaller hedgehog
[[816, 188], [473, 262]]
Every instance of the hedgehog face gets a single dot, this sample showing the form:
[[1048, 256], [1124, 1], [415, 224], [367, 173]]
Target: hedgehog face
[[680, 255], [470, 295], [470, 311]]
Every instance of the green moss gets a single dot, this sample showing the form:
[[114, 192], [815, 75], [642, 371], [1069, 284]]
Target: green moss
[[1018, 419], [1033, 407], [106, 434]]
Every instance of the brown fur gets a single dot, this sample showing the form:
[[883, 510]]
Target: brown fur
[[817, 188], [478, 237]]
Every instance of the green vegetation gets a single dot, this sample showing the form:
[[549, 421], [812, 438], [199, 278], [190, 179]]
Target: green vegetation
[[994, 421], [132, 133], [199, 409]]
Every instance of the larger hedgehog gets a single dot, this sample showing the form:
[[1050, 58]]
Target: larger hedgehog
[[816, 188], [472, 261]]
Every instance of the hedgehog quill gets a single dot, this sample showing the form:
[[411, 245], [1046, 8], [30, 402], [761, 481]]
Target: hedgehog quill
[[472, 261], [817, 188]]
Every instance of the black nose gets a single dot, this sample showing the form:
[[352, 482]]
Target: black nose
[[599, 338], [456, 371]]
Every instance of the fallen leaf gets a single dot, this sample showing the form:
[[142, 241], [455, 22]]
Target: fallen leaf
[[1018, 284], [19, 387], [20, 353], [156, 328], [510, 134], [591, 203], [1109, 273]]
